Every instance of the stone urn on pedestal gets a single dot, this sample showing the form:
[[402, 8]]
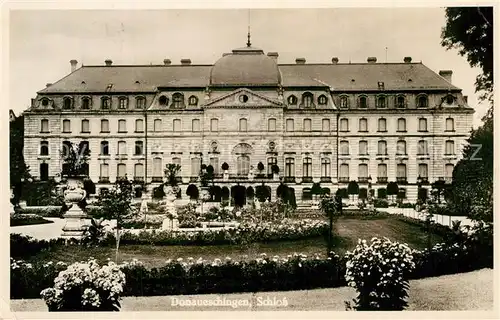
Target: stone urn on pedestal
[[75, 225], [171, 222]]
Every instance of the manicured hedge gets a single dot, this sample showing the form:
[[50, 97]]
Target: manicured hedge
[[22, 246], [26, 220], [49, 211]]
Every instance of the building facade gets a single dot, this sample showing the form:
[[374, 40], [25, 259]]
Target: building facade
[[329, 123]]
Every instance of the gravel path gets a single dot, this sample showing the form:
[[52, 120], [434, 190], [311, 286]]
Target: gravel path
[[465, 291]]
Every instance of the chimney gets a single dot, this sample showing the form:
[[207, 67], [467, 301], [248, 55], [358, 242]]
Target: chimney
[[48, 85], [73, 65], [446, 74], [108, 62], [185, 62], [466, 99], [335, 60], [226, 54], [300, 60], [166, 62], [273, 55], [407, 59], [371, 60]]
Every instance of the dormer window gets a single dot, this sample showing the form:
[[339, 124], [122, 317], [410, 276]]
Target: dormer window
[[307, 100], [86, 103], [381, 102], [67, 103], [140, 102], [193, 101], [163, 101], [363, 102], [400, 102], [344, 102], [45, 102], [292, 100], [322, 100], [422, 101], [106, 103], [123, 103], [450, 99], [177, 101]]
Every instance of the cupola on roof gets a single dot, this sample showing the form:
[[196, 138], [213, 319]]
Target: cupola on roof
[[247, 66]]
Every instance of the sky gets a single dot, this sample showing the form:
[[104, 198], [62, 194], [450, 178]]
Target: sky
[[42, 42]]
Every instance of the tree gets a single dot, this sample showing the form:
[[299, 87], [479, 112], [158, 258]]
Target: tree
[[470, 30], [392, 189], [19, 171], [171, 171], [117, 204], [353, 188], [75, 159], [192, 191], [225, 166], [316, 189], [260, 166], [342, 192], [262, 193], [382, 193]]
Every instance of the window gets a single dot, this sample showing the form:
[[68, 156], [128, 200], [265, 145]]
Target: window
[[401, 171], [307, 167], [67, 103], [139, 147], [122, 170], [140, 103], [138, 171], [85, 103], [177, 161], [450, 124], [289, 125], [84, 147], [177, 124], [325, 124], [363, 148], [422, 124], [44, 148], [292, 100], [307, 100], [45, 102], [344, 125], [104, 148], [344, 148], [104, 171], [270, 162], [193, 101], [450, 99], [157, 168], [381, 102], [325, 167], [214, 162], [382, 125], [422, 101], [382, 148], [243, 125], [307, 125], [157, 125], [400, 102], [139, 125], [195, 124], [163, 101], [289, 167], [243, 98], [362, 171], [85, 126], [122, 148], [401, 148], [105, 103], [423, 170], [271, 124], [44, 125], [401, 125], [177, 100], [243, 165], [122, 125], [322, 100], [104, 125], [363, 102], [449, 147], [344, 172], [363, 125], [195, 166], [344, 102], [214, 125], [448, 170], [382, 171], [66, 126], [422, 148], [44, 171], [123, 103]]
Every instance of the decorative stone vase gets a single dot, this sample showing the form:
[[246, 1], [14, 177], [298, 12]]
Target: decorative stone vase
[[75, 225]]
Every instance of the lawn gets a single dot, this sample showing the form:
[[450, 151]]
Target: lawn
[[347, 232]]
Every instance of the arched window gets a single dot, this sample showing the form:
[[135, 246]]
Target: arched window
[[363, 102], [139, 147], [193, 101], [214, 125], [307, 168], [450, 99], [322, 99], [270, 162], [177, 101], [163, 101], [363, 148], [382, 148], [139, 125], [66, 126], [307, 100], [105, 103], [176, 124], [44, 102], [289, 125], [85, 126], [344, 172], [243, 165], [449, 147], [243, 125], [121, 170], [138, 172], [450, 124], [123, 103], [382, 125], [67, 103], [422, 124], [292, 100], [122, 148], [104, 172], [289, 167], [271, 124], [382, 172], [344, 148], [362, 172], [401, 102], [195, 125], [195, 166], [363, 125], [157, 168], [401, 148], [122, 125], [344, 125], [104, 148], [140, 102], [401, 172], [381, 102], [423, 170], [325, 167], [344, 102], [422, 101], [44, 126], [422, 148], [157, 125], [307, 125], [402, 125], [44, 148], [104, 126], [325, 125], [44, 171], [86, 103]]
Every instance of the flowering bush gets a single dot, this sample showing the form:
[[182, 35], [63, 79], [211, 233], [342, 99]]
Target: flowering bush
[[86, 287], [379, 271]]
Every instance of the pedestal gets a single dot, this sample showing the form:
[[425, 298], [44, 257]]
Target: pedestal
[[75, 225]]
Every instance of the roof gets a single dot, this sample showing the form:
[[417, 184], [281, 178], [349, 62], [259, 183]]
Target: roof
[[147, 78]]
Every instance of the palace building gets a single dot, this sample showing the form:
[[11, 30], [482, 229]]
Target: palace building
[[324, 122]]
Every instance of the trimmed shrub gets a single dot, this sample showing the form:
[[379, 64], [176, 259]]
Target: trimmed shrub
[[380, 203], [47, 212], [382, 193], [25, 220]]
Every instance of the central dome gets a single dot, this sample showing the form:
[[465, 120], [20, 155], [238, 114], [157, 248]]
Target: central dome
[[246, 66]]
